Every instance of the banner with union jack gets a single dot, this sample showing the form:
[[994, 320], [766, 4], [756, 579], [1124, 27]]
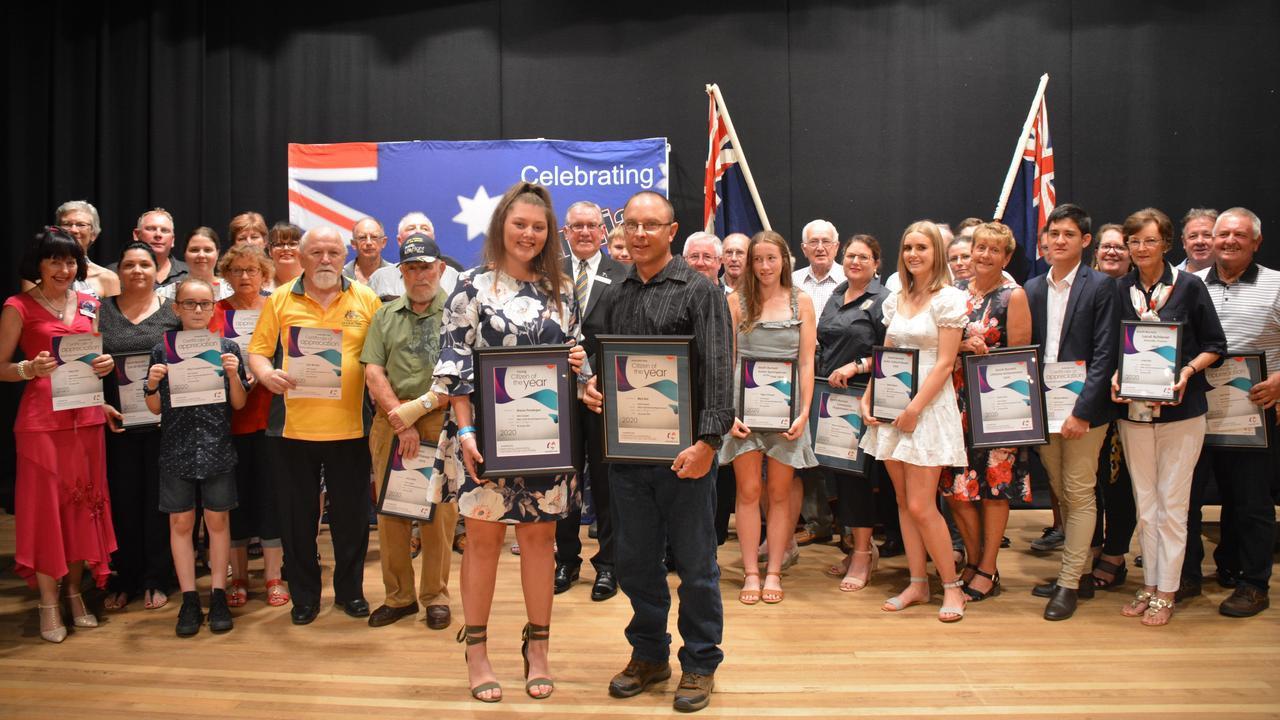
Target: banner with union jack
[[730, 201], [1031, 197], [458, 184]]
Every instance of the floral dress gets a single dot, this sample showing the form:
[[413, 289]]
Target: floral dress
[[993, 473], [491, 309]]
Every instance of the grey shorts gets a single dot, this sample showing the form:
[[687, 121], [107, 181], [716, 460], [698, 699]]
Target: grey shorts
[[217, 493]]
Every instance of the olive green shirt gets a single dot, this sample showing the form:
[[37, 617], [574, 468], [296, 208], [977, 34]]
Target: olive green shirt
[[405, 344]]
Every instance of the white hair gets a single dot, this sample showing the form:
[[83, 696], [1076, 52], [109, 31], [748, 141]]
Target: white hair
[[415, 216], [816, 225], [309, 234], [1243, 213], [583, 204], [703, 237], [83, 206]]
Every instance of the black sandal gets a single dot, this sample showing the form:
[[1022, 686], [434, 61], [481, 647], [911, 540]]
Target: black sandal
[[1118, 574], [476, 635], [978, 596]]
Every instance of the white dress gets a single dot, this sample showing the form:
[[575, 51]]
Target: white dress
[[938, 438]]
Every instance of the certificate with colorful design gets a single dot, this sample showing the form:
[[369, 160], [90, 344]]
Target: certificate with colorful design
[[1149, 360], [238, 325], [836, 426], [1234, 421], [647, 387], [1063, 384], [767, 393], [73, 382], [523, 419], [314, 362], [894, 373], [131, 378], [1006, 404], [195, 372], [407, 488]]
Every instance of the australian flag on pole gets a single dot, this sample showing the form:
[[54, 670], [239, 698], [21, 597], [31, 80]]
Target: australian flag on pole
[[1032, 196], [728, 205]]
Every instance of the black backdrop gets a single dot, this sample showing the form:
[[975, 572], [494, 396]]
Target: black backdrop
[[870, 114]]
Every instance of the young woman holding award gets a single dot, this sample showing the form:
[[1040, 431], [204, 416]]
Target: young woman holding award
[[772, 319], [519, 296], [1162, 440], [63, 515], [927, 316]]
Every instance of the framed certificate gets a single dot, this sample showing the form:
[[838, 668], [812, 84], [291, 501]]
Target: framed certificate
[[131, 379], [648, 387], [1006, 404], [836, 426], [1150, 355], [238, 325], [767, 393], [1234, 421], [894, 373], [407, 490], [73, 383], [523, 410], [314, 361], [1063, 384], [195, 368]]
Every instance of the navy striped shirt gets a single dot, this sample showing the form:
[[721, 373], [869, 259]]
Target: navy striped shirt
[[1249, 310]]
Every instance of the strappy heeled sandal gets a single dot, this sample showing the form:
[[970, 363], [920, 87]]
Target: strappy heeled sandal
[[978, 595], [1118, 574], [535, 632], [80, 615], [854, 584], [749, 597], [51, 627], [897, 604], [476, 635], [949, 613], [1138, 605]]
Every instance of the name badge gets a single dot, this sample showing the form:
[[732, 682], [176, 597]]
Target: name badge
[[603, 279], [87, 309], [866, 304]]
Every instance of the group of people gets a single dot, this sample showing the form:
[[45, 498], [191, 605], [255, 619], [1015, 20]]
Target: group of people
[[122, 501]]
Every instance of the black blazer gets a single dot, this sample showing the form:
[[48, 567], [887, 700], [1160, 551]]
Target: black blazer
[[1089, 329], [598, 301]]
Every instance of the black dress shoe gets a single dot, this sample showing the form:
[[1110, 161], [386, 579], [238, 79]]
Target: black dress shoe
[[565, 578], [304, 613], [891, 548], [1085, 592], [605, 587], [385, 614], [1227, 579], [357, 608], [1188, 588], [1062, 605], [438, 617]]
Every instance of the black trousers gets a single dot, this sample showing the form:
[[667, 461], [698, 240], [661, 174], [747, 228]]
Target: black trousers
[[346, 474], [1118, 518], [569, 529], [726, 501], [142, 559], [856, 505]]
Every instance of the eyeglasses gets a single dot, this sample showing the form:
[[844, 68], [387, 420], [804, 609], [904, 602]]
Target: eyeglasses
[[193, 305], [286, 245], [1146, 243], [248, 272], [701, 257], [1111, 248], [369, 238], [858, 258], [75, 226], [825, 242], [584, 227], [631, 228]]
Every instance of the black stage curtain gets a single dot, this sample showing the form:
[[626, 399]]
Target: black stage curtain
[[870, 114]]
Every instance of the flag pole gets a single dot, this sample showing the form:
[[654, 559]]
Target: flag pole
[[742, 157], [1019, 148]]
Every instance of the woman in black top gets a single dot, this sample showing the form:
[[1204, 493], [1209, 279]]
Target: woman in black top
[[850, 324], [132, 323]]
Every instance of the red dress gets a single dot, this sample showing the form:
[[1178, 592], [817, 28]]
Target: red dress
[[63, 510]]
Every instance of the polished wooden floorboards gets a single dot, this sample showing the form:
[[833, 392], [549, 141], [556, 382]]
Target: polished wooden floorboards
[[819, 653]]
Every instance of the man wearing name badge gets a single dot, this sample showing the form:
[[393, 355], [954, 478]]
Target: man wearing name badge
[[594, 279], [155, 228], [368, 238], [1247, 299], [399, 354], [702, 252], [387, 282], [1073, 317], [314, 435], [657, 504], [734, 258]]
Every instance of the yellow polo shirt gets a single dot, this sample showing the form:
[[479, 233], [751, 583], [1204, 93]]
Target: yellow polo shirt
[[352, 312]]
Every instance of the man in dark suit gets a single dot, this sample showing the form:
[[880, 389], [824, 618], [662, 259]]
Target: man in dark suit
[[1073, 318], [594, 277]]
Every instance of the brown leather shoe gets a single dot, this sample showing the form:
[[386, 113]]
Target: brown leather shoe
[[385, 615], [438, 617], [694, 692], [637, 676], [1245, 602]]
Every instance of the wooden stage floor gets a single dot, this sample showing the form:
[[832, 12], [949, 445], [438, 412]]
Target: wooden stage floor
[[819, 653]]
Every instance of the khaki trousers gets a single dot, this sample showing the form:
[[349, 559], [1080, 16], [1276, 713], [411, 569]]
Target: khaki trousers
[[1072, 466], [394, 532]]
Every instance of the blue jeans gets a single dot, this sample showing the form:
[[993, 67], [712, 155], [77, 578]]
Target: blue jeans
[[651, 508]]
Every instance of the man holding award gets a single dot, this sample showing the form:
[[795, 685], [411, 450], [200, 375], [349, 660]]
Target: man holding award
[[671, 502], [319, 319], [399, 355], [1073, 317]]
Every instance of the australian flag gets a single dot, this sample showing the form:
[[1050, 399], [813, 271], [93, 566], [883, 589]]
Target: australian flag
[[1032, 196], [729, 206]]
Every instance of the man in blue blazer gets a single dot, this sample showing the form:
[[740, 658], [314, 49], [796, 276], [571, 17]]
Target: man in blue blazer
[[1073, 318]]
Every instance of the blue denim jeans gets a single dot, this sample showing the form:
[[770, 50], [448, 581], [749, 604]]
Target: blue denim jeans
[[651, 508]]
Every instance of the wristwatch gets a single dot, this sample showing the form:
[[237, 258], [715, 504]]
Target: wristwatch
[[715, 441], [148, 391]]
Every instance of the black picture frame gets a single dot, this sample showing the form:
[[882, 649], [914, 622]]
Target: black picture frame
[[819, 411], [1128, 350], [491, 364], [1255, 364], [747, 369], [422, 512], [624, 444], [1032, 430], [878, 353]]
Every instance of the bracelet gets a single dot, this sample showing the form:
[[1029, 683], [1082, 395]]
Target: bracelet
[[466, 430], [23, 369]]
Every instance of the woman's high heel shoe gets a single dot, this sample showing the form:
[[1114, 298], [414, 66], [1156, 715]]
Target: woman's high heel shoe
[[979, 596], [853, 584], [477, 635], [51, 627], [535, 632], [80, 615]]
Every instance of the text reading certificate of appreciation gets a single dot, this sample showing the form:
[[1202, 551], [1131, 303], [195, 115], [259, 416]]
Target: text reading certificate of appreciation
[[1063, 384], [73, 383], [195, 368], [314, 362]]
